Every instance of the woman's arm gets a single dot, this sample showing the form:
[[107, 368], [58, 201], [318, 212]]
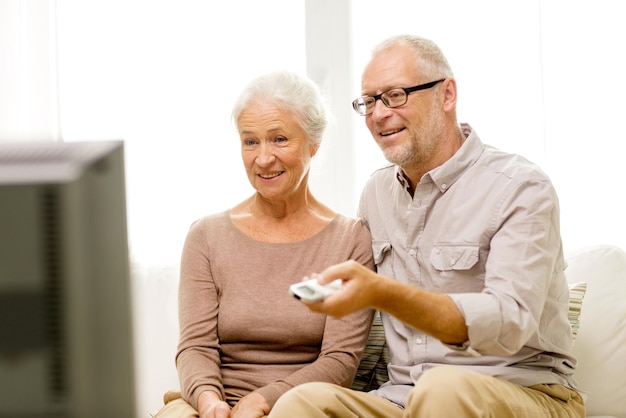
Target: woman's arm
[[197, 359]]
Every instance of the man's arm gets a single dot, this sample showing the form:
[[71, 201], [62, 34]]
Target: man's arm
[[433, 313]]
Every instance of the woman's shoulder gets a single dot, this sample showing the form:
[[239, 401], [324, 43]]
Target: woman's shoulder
[[345, 220], [349, 224], [215, 222]]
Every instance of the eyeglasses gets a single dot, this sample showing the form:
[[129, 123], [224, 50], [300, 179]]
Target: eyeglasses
[[395, 97]]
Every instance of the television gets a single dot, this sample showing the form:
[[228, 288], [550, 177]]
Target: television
[[66, 334]]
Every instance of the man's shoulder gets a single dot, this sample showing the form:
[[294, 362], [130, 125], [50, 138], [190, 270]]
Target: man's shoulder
[[389, 168], [348, 223], [383, 173], [383, 178], [511, 165]]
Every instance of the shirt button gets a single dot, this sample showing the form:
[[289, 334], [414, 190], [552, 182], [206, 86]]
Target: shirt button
[[418, 341], [412, 252], [444, 186]]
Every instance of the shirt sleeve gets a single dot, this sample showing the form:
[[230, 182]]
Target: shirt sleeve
[[524, 263]]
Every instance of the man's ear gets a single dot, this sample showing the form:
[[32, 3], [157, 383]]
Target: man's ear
[[449, 94]]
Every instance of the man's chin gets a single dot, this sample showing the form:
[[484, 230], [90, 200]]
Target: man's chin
[[394, 155]]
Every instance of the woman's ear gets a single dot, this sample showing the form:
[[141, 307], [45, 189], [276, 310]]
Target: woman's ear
[[314, 148]]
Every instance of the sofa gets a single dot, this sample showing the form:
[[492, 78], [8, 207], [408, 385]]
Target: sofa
[[597, 314], [597, 278], [600, 344]]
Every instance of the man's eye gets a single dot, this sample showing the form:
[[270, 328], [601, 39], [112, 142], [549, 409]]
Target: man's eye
[[249, 142]]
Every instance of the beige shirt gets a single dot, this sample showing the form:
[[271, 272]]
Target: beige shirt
[[241, 331], [484, 229]]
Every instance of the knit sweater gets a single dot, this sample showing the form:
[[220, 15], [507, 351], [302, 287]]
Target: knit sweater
[[241, 331]]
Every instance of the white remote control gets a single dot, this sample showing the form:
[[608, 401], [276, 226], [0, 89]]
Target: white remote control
[[310, 291]]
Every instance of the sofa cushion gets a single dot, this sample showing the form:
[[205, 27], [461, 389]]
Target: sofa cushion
[[576, 295], [372, 371], [600, 346]]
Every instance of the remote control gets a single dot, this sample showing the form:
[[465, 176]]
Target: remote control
[[310, 291]]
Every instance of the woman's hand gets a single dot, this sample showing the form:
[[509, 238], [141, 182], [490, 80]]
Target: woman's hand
[[252, 405], [211, 406]]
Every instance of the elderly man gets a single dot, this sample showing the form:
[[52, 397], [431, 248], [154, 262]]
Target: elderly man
[[470, 271]]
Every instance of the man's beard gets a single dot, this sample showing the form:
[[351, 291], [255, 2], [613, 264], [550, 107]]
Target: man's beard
[[422, 144]]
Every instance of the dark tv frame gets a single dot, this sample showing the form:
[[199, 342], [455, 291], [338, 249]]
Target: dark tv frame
[[66, 332]]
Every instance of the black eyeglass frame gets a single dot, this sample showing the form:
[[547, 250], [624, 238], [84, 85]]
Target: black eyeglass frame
[[407, 91]]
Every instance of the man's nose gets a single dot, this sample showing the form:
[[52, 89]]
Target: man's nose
[[380, 110]]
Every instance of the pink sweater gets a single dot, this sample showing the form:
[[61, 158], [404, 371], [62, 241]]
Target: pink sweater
[[241, 331]]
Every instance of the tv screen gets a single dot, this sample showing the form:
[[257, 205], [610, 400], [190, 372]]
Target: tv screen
[[66, 337]]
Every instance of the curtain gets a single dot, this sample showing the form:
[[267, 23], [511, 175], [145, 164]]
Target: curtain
[[29, 108]]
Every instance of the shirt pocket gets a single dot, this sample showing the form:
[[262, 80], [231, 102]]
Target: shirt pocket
[[383, 257], [458, 268], [448, 257]]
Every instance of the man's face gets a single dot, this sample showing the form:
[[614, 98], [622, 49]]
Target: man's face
[[408, 134]]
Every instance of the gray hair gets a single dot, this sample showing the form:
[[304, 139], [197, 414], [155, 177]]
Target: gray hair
[[430, 58], [291, 92]]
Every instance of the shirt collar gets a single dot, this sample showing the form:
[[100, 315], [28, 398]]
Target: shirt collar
[[446, 174]]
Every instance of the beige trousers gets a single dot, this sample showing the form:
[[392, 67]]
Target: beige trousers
[[176, 407], [444, 391]]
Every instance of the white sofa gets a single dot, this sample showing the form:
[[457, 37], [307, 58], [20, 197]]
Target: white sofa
[[600, 345]]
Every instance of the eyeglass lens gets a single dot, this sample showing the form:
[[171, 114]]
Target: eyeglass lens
[[391, 98]]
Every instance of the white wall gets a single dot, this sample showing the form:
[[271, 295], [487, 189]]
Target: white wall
[[584, 64], [539, 78], [28, 89]]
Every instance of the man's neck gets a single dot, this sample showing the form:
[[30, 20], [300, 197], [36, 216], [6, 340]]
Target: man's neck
[[444, 152]]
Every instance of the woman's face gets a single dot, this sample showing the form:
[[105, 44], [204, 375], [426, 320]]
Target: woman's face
[[276, 151]]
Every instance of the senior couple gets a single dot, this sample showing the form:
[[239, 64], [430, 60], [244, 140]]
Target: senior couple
[[456, 244]]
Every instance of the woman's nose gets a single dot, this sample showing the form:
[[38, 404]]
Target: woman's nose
[[266, 154]]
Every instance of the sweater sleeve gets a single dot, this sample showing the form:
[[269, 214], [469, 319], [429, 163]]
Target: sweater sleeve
[[197, 358], [343, 340]]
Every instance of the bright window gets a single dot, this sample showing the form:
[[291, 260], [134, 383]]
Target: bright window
[[163, 76]]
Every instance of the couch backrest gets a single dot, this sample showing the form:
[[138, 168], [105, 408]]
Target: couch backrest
[[600, 346]]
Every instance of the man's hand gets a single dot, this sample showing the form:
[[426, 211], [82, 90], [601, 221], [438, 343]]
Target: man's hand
[[434, 313], [252, 405], [358, 289]]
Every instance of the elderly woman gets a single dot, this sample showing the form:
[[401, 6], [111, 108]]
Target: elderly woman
[[244, 340]]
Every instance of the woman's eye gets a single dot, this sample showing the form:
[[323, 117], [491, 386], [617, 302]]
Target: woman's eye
[[281, 139], [249, 142]]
